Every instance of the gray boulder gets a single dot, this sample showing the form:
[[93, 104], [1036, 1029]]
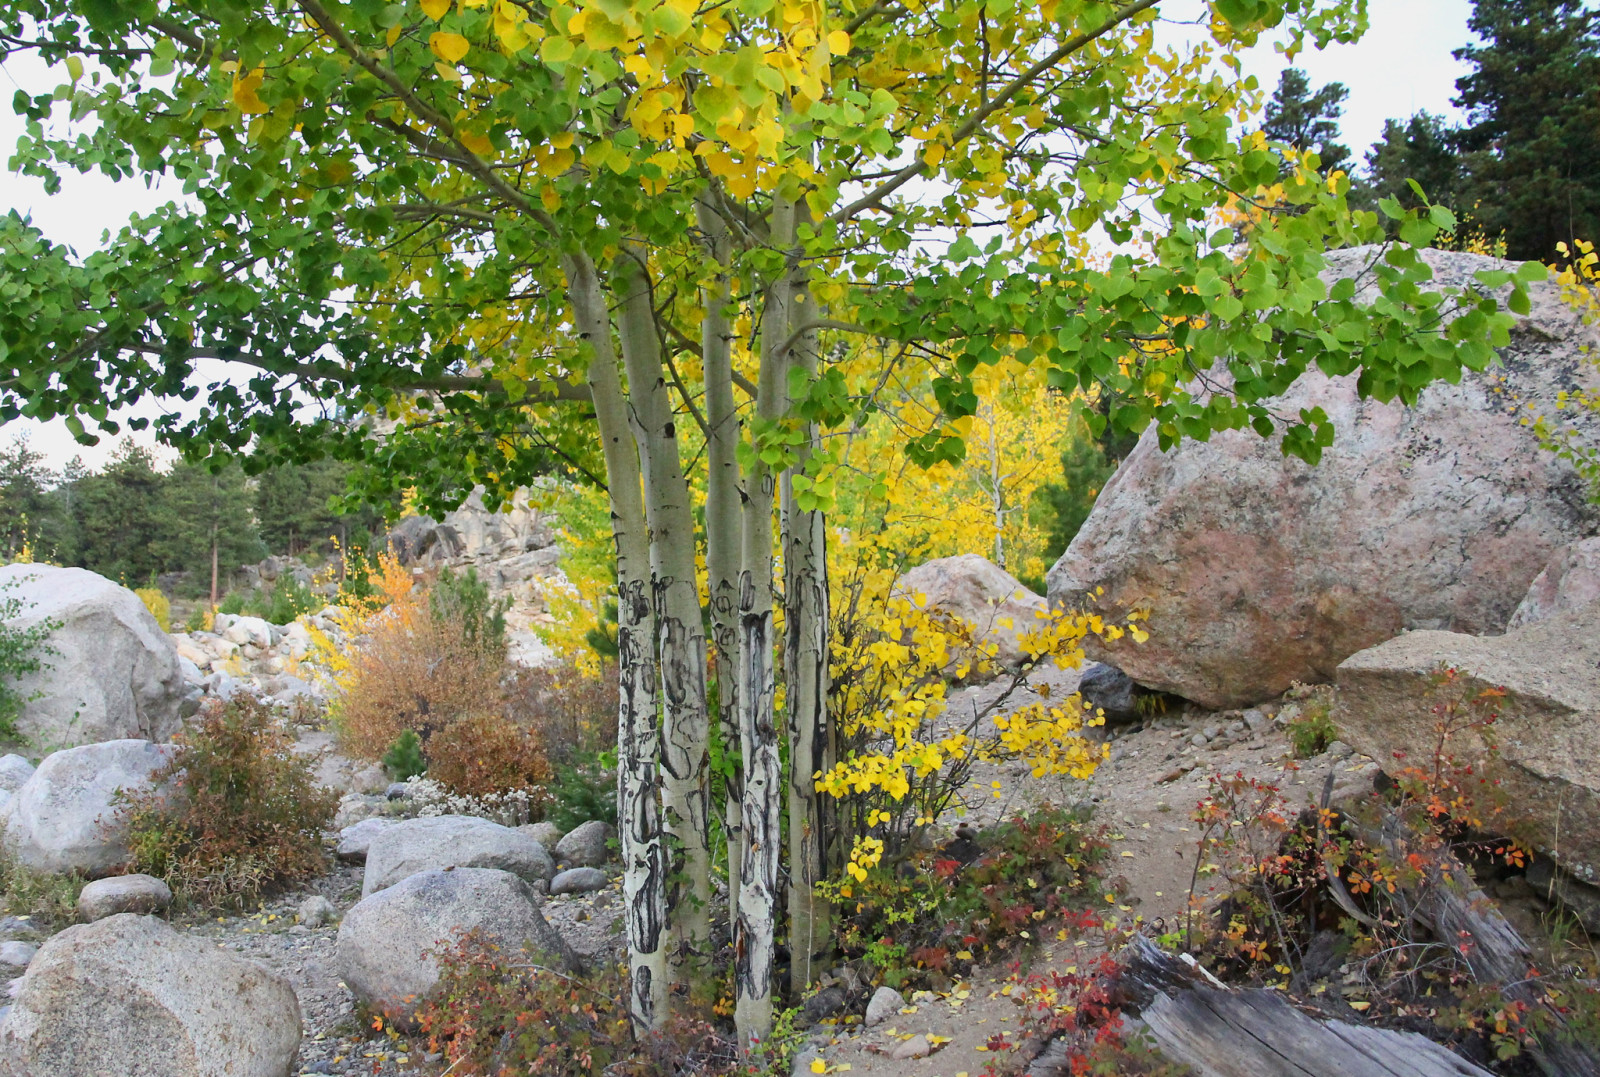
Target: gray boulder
[[317, 911], [578, 881], [16, 956], [1110, 689], [122, 893], [130, 997], [356, 839], [389, 944], [991, 601], [110, 672], [14, 770], [585, 847], [1548, 763], [445, 841], [1258, 570], [63, 818], [886, 1003], [544, 832], [1570, 580]]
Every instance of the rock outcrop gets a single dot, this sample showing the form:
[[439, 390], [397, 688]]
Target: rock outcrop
[[63, 818], [989, 599], [451, 841], [1549, 757], [110, 671], [1259, 570], [389, 943], [130, 997], [1570, 581]]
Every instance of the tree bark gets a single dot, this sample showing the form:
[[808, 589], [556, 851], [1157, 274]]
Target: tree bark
[[680, 632], [805, 561], [638, 776], [722, 536], [757, 924]]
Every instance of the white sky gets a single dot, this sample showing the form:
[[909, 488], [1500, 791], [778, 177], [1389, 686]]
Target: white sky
[[1403, 65]]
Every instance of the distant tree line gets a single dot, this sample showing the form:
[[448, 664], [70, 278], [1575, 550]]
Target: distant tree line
[[1524, 168], [134, 522]]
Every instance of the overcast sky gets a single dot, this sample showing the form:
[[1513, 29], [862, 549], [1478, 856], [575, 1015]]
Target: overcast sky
[[1402, 66]]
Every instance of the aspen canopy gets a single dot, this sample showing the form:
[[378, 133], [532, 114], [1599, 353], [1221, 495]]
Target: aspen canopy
[[537, 236]]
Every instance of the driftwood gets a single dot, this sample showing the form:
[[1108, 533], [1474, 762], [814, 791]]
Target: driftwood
[[1257, 1033]]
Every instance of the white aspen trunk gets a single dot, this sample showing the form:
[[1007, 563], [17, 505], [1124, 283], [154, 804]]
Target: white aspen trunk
[[644, 880], [722, 536], [805, 652], [680, 632], [755, 932]]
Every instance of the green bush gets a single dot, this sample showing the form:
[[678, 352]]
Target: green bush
[[232, 603], [234, 812], [581, 793], [465, 600], [50, 902], [403, 760], [288, 599], [22, 651], [1311, 732]]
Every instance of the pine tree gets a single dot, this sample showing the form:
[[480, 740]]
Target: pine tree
[[29, 515], [1532, 146], [119, 519], [295, 504], [207, 519], [1308, 121], [1419, 148]]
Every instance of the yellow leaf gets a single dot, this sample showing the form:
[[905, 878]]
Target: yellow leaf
[[552, 202], [436, 9], [393, 35], [446, 72], [1359, 1006], [449, 47], [244, 92], [818, 1066], [838, 42], [478, 144]]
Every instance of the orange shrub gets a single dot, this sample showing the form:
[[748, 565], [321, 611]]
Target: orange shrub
[[486, 754], [415, 670], [573, 714]]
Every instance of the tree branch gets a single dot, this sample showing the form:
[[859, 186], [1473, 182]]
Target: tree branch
[[973, 122]]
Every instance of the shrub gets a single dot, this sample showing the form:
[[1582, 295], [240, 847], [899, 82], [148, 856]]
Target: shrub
[[232, 603], [156, 602], [403, 760], [287, 599], [415, 671], [464, 600], [583, 792], [487, 754], [573, 713], [1312, 731], [22, 651], [233, 812], [1026, 874], [199, 619], [494, 1013], [49, 901]]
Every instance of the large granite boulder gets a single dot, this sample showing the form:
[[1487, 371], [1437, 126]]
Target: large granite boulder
[[1259, 570], [1569, 581], [130, 997], [390, 943], [975, 590], [110, 671], [445, 841], [63, 818], [586, 846], [1548, 764]]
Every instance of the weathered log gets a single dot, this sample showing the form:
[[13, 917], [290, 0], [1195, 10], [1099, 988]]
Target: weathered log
[[1257, 1033]]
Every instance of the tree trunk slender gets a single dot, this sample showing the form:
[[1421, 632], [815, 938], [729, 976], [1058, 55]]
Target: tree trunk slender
[[638, 776], [214, 560], [805, 653], [722, 537], [763, 778], [680, 631]]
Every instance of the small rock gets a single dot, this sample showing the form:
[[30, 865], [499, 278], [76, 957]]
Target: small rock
[[354, 840], [544, 832], [802, 1061], [578, 881], [585, 846], [916, 1047], [886, 1002], [1256, 720], [317, 911], [829, 1002], [14, 957], [1198, 740], [1236, 727], [122, 893], [14, 770], [1212, 732], [1340, 750], [398, 791]]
